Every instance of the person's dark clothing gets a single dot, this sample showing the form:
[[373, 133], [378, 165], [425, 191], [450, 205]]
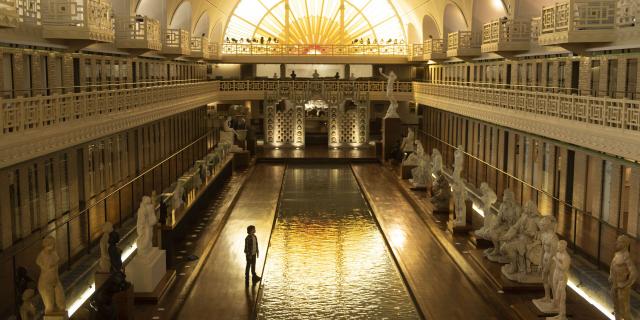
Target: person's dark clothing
[[251, 251]]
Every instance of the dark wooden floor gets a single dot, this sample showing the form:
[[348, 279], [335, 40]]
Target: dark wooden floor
[[219, 291], [316, 152], [441, 289]]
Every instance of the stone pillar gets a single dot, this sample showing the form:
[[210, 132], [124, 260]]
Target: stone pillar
[[391, 132]]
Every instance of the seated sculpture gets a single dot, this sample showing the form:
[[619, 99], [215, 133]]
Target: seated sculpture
[[518, 247], [421, 175], [508, 215], [440, 194]]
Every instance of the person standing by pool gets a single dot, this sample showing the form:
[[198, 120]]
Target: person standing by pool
[[252, 253]]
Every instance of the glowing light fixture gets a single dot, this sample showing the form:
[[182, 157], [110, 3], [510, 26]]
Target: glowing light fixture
[[605, 310]]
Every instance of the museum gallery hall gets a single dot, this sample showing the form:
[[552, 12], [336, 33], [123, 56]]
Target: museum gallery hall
[[319, 159]]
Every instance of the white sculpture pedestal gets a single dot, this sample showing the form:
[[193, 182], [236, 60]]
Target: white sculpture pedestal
[[149, 276], [60, 315], [545, 306]]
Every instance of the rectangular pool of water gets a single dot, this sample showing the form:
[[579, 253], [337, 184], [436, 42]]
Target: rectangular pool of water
[[327, 258]]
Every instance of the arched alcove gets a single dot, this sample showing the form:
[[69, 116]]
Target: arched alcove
[[531, 8], [149, 8], [487, 10], [453, 19], [181, 18], [430, 28], [215, 34], [202, 26], [413, 34]]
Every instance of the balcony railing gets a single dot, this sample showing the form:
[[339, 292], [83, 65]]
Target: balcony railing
[[255, 49], [607, 112], [578, 21], [430, 49], [214, 51], [29, 11], [138, 32], [8, 14], [463, 43], [176, 42], [506, 35], [628, 12], [78, 19], [200, 47]]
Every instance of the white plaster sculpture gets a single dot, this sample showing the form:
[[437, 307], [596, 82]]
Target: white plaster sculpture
[[549, 241], [409, 142], [488, 198], [226, 126], [392, 112], [197, 180], [458, 161], [144, 226], [622, 276], [104, 264], [27, 309], [508, 215], [176, 198], [49, 286], [517, 247], [436, 162], [459, 197], [562, 264], [421, 175]]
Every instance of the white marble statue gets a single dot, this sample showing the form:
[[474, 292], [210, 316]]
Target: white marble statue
[[517, 246], [146, 221], [488, 198], [562, 264], [459, 193], [226, 126], [104, 264], [392, 112], [409, 142], [458, 161], [549, 241], [176, 198], [508, 215], [421, 175], [436, 162], [197, 179], [49, 286], [622, 276], [27, 309]]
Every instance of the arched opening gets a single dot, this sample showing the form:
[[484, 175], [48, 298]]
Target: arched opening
[[453, 19], [149, 8], [531, 8], [202, 26], [412, 33], [215, 35], [430, 28], [181, 18], [485, 11]]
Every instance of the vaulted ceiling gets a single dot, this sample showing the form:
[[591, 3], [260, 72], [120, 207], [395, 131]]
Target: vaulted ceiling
[[418, 19]]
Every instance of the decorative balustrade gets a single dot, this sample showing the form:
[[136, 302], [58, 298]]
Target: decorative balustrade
[[628, 11], [138, 32], [536, 27], [8, 14], [463, 44], [29, 11], [214, 52], [430, 49], [176, 42], [200, 48], [613, 113], [256, 49], [506, 35], [576, 21], [78, 19]]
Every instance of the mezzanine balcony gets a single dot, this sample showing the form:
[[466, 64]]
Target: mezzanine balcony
[[176, 43], [8, 14], [578, 22], [214, 51], [431, 49], [506, 35], [83, 20], [138, 34], [462, 44], [200, 48]]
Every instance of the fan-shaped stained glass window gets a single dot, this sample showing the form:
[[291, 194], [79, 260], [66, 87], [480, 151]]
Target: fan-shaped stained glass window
[[316, 22]]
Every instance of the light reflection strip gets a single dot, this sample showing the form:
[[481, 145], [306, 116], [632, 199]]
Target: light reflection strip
[[92, 287], [605, 310]]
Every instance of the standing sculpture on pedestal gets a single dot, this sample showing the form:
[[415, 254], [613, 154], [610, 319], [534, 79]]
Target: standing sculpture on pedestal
[[144, 227], [549, 241], [562, 263], [408, 145], [622, 276], [104, 264], [49, 286], [459, 197], [436, 162], [392, 112], [488, 198], [458, 161], [440, 190], [176, 198]]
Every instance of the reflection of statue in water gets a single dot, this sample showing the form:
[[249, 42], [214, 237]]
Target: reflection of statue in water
[[392, 112], [144, 227], [622, 276], [104, 264], [488, 198], [49, 285]]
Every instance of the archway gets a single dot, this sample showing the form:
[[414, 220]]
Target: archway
[[430, 29], [485, 11], [181, 18], [149, 8], [202, 26], [453, 19]]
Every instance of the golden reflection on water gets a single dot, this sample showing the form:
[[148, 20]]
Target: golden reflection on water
[[327, 258]]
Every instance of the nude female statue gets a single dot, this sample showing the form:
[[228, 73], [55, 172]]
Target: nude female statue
[[49, 285], [144, 227]]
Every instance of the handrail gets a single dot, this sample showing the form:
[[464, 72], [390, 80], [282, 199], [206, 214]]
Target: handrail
[[22, 245]]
